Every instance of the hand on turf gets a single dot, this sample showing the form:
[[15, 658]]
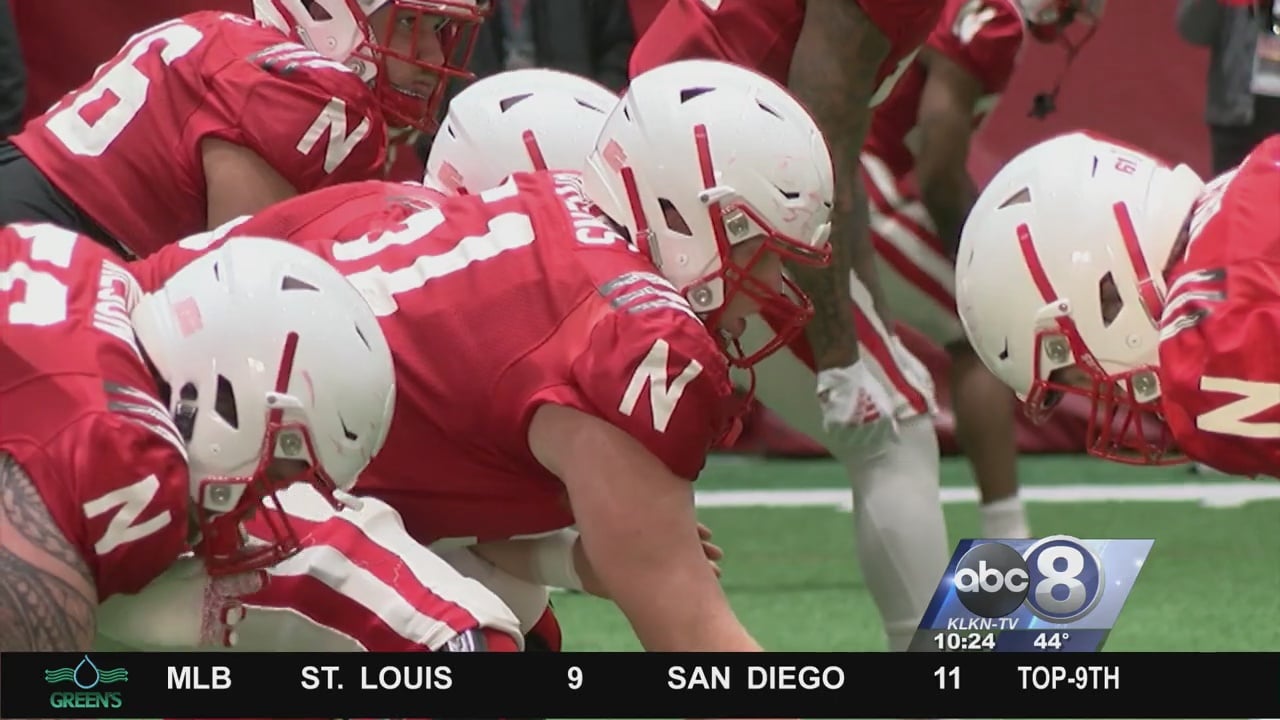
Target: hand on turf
[[856, 409]]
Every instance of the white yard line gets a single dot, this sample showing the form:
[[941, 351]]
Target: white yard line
[[1212, 494]]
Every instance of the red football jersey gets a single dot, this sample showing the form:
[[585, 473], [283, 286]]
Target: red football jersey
[[762, 34], [82, 415], [1219, 376], [494, 305], [125, 148], [982, 36]]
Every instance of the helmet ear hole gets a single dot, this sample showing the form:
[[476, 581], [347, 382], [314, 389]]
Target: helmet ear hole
[[1109, 301], [674, 220], [225, 403], [317, 11], [184, 416]]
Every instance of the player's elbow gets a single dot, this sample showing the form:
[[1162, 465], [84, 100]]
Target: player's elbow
[[238, 182]]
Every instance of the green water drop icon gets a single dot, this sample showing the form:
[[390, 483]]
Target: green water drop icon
[[87, 670]]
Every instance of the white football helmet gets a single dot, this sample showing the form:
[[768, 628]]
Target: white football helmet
[[700, 156], [340, 30], [267, 353], [515, 121], [1061, 265]]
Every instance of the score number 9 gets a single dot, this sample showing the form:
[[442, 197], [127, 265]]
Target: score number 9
[[575, 677]]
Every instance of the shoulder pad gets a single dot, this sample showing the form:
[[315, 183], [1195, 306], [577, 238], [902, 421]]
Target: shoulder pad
[[287, 58], [643, 292]]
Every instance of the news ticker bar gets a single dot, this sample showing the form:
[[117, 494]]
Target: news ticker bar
[[638, 685]]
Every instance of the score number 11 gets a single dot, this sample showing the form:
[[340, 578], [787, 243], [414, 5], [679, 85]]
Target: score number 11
[[948, 677]]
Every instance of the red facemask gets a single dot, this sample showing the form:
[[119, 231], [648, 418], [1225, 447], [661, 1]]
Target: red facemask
[[454, 26], [1121, 427], [788, 308], [222, 542]]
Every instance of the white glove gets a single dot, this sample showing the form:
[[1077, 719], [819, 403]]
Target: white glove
[[856, 409], [183, 608]]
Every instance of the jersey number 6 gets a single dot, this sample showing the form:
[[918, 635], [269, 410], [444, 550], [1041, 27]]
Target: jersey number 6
[[122, 79]]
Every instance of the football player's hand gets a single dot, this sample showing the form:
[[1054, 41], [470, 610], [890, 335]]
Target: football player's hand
[[183, 608], [857, 411], [711, 550]]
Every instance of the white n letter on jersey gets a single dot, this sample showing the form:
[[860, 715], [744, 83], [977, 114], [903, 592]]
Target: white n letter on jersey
[[333, 117], [1255, 397], [652, 373], [131, 500]]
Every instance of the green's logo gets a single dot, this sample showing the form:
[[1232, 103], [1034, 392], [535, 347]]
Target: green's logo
[[87, 677]]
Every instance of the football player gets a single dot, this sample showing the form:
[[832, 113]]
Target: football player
[[1134, 285], [840, 59], [387, 607], [533, 113], [925, 128], [586, 373], [874, 400], [214, 115], [153, 421]]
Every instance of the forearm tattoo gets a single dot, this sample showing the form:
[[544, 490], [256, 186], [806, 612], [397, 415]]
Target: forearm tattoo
[[833, 73]]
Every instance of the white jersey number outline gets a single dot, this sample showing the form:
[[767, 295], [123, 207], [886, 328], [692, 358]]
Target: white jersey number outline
[[121, 78], [508, 231], [44, 300]]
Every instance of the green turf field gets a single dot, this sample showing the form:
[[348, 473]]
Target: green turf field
[[1211, 582]]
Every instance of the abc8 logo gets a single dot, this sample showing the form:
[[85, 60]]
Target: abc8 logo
[[1058, 578]]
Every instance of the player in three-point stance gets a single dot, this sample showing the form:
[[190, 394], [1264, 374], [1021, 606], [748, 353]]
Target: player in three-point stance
[[925, 127], [214, 115], [1137, 287], [156, 421], [874, 401]]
